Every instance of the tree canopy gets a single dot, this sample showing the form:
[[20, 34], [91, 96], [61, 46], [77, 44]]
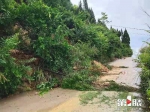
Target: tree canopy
[[126, 38]]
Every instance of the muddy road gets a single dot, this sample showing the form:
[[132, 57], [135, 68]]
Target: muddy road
[[128, 75]]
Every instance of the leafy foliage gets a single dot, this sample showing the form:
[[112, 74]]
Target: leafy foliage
[[78, 80], [46, 86], [53, 53], [11, 73], [61, 36], [81, 78], [144, 60]]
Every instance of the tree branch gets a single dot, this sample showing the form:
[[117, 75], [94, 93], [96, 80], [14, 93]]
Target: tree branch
[[145, 12]]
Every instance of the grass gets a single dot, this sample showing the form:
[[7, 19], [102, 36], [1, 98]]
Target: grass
[[116, 87], [105, 99], [123, 95], [89, 96]]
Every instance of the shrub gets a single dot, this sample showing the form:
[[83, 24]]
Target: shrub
[[82, 77], [144, 60], [56, 54], [79, 80], [11, 73]]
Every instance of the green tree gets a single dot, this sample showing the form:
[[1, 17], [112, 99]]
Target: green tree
[[104, 18], [65, 3], [126, 38], [79, 9], [91, 19], [92, 16], [100, 22], [85, 3], [80, 6], [119, 33]]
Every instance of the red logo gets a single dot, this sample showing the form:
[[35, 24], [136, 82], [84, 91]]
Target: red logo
[[128, 101]]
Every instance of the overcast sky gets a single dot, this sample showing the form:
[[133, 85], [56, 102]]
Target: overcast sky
[[127, 13]]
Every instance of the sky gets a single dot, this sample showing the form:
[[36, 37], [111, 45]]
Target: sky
[[126, 13]]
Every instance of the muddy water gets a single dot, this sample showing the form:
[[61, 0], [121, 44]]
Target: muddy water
[[128, 76]]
